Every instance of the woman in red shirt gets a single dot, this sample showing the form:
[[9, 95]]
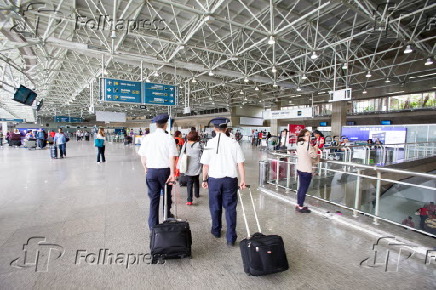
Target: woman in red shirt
[[319, 140]]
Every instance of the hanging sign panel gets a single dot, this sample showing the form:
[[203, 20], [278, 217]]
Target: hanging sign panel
[[159, 94], [113, 90], [288, 114], [66, 119], [121, 91]]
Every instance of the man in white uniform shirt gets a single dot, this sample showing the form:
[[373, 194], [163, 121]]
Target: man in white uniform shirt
[[158, 151], [222, 161]]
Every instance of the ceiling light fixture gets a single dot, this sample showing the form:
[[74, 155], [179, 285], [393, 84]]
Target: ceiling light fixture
[[194, 80], [314, 55], [147, 80], [256, 88], [181, 47], [304, 77], [211, 74], [156, 74], [387, 80], [298, 89], [275, 85], [408, 49], [345, 66], [241, 92], [246, 80], [271, 40], [429, 61], [274, 69], [368, 74], [364, 92]]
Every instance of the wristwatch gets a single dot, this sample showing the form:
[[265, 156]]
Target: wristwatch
[[205, 180]]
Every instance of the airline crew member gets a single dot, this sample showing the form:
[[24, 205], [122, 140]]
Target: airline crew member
[[222, 161], [158, 151]]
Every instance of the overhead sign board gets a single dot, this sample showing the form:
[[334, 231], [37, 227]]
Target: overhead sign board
[[340, 95], [289, 114], [66, 119], [11, 120], [121, 91], [159, 94]]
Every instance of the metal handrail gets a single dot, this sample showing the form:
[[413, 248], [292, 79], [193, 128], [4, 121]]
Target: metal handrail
[[345, 165]]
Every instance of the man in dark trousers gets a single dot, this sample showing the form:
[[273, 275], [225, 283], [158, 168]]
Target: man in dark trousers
[[158, 151], [222, 161]]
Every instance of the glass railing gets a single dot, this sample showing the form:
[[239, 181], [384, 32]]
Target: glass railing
[[382, 193], [380, 154]]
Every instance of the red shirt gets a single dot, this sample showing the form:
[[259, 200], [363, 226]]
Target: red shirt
[[423, 211], [52, 134]]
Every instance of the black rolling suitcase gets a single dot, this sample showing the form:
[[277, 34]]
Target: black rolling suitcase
[[262, 254], [53, 151], [171, 239]]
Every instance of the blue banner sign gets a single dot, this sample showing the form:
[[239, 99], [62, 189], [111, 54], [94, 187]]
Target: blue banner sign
[[65, 119], [113, 90], [159, 94], [121, 91], [11, 120]]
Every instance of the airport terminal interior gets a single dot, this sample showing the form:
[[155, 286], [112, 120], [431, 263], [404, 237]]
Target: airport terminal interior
[[359, 75]]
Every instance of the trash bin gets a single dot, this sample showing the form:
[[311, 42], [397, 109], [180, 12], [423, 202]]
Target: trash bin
[[263, 172]]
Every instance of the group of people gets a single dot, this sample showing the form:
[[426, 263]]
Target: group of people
[[257, 136], [15, 137], [82, 135], [221, 161]]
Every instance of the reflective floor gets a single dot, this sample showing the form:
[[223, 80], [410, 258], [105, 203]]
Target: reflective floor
[[83, 225]]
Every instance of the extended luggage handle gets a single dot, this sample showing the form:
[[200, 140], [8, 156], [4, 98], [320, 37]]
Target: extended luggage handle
[[165, 199], [243, 211]]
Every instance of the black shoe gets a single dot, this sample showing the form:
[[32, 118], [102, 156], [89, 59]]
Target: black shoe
[[303, 210], [216, 236], [197, 195], [170, 215], [231, 244]]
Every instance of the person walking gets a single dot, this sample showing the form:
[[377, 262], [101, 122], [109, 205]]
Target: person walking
[[306, 155], [40, 137], [423, 215], [222, 160], [60, 140], [1, 138], [158, 152], [99, 143], [193, 150]]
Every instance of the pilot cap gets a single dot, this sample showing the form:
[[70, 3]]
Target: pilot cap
[[220, 122], [162, 118]]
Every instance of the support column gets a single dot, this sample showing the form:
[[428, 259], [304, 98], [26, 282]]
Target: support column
[[275, 122], [4, 128], [339, 117]]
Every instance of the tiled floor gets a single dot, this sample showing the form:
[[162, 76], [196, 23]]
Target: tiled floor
[[81, 207]]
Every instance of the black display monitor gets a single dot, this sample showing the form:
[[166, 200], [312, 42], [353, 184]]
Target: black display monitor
[[21, 94], [25, 96]]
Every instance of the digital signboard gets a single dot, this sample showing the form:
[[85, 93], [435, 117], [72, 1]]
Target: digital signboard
[[121, 91]]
